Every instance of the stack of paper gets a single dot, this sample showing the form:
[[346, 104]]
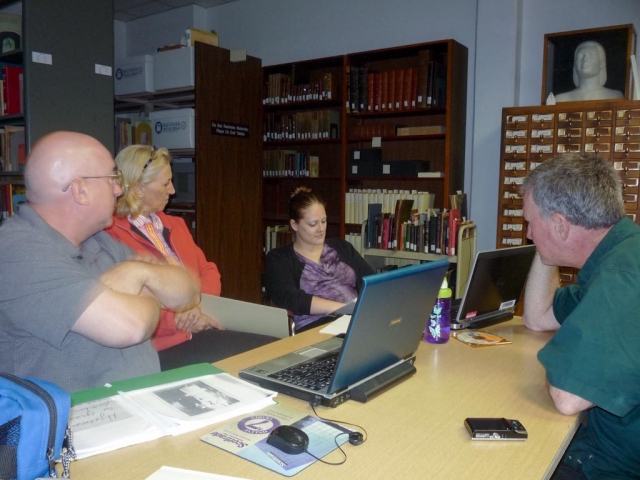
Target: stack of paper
[[171, 409]]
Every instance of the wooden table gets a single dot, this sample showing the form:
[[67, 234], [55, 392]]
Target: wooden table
[[415, 429]]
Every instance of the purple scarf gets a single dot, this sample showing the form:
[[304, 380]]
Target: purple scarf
[[330, 278]]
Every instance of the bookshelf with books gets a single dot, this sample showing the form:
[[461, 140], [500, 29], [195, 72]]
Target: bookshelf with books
[[405, 139], [12, 134], [222, 180], [409, 135], [303, 117], [531, 135], [406, 117], [12, 193]]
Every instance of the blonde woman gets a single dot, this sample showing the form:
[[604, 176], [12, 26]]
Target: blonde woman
[[182, 338]]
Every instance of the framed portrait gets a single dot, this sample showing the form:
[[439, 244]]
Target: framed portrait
[[564, 63]]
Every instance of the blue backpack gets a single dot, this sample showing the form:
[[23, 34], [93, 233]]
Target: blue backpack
[[33, 428]]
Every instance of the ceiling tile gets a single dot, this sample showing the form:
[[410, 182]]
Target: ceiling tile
[[119, 5], [148, 8], [125, 10]]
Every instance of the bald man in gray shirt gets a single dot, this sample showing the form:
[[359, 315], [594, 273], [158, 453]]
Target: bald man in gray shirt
[[75, 308]]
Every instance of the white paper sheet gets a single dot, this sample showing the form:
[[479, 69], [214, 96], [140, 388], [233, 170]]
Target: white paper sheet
[[338, 326], [170, 473]]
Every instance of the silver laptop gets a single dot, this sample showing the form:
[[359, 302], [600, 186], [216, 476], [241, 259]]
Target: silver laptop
[[378, 348], [246, 317], [495, 285]]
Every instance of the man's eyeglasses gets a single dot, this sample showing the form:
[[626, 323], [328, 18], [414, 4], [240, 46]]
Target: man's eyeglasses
[[117, 177]]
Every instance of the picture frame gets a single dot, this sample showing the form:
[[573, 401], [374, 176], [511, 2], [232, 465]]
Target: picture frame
[[619, 43]]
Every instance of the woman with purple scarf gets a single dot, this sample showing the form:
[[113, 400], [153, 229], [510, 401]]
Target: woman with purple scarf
[[312, 276]]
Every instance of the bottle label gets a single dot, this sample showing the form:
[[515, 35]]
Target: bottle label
[[435, 320]]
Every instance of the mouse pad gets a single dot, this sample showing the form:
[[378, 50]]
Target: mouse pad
[[247, 437]]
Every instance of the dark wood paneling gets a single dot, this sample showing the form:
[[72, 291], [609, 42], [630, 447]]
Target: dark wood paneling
[[228, 169]]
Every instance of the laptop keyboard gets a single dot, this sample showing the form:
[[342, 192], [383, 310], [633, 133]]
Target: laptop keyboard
[[314, 375]]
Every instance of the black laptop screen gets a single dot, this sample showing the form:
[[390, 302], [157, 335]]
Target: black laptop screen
[[497, 281]]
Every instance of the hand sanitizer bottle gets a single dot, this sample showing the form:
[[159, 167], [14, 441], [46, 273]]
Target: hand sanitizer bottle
[[439, 325]]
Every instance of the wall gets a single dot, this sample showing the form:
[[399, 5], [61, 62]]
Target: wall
[[505, 41]]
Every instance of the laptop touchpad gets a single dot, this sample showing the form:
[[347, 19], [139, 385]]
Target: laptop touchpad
[[311, 352]]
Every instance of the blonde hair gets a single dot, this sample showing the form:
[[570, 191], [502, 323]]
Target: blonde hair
[[140, 165]]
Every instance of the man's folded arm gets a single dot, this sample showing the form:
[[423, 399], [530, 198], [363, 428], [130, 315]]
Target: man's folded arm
[[116, 319], [127, 311]]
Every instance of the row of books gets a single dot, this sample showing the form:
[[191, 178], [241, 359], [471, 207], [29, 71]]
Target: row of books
[[426, 232], [355, 239], [391, 130], [357, 201], [280, 89], [311, 125], [396, 90], [277, 236], [11, 98], [290, 163], [132, 130], [12, 148], [11, 195]]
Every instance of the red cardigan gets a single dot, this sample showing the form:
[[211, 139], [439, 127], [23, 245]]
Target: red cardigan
[[181, 242]]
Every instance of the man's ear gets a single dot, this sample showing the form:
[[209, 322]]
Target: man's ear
[[560, 225], [80, 192]]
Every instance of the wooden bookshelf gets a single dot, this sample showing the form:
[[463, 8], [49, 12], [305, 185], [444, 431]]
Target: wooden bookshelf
[[299, 97], [363, 125], [443, 150]]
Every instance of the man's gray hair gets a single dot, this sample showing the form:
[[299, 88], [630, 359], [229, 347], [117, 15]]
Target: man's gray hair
[[581, 186]]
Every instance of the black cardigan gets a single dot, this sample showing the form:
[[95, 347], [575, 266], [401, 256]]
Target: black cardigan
[[283, 270]]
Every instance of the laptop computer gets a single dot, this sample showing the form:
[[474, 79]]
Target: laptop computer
[[246, 317], [495, 285], [378, 348]]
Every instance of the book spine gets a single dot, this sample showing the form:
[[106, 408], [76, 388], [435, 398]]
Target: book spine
[[385, 92], [377, 103], [399, 90], [391, 99], [371, 78]]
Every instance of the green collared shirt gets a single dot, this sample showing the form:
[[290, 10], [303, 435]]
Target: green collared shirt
[[596, 353]]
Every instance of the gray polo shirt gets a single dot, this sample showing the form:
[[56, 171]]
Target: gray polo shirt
[[46, 283]]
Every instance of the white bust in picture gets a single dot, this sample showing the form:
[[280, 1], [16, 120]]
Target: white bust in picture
[[589, 75]]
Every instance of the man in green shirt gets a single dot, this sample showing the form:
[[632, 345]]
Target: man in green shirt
[[575, 213]]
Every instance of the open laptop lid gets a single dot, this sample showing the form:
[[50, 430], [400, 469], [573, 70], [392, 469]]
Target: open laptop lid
[[495, 284], [388, 321], [246, 317]]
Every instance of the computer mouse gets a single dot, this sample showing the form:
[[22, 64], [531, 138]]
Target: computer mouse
[[288, 439]]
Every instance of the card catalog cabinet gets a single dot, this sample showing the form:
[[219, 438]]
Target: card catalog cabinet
[[531, 135]]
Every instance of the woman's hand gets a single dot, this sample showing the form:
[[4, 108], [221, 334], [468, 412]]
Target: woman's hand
[[195, 321]]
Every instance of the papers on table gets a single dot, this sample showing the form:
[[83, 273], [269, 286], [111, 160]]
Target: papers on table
[[170, 409], [338, 326], [479, 338], [170, 473]]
